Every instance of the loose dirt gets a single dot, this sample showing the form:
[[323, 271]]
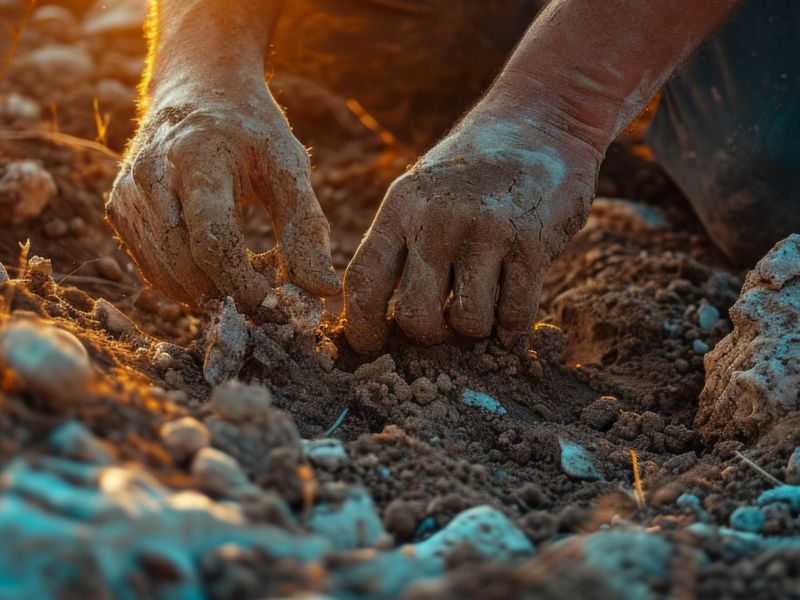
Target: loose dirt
[[543, 433]]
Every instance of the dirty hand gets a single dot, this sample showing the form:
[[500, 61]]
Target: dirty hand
[[470, 232], [176, 202]]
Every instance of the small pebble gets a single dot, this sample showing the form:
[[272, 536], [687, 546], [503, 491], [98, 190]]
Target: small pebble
[[241, 403], [328, 454], [49, 360], [748, 518], [700, 347], [576, 462], [792, 473], [484, 401], [185, 437], [108, 268], [218, 473], [707, 316]]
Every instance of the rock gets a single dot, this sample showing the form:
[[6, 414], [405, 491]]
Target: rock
[[108, 268], [700, 347], [72, 440], [26, 188], [227, 342], [748, 518], [62, 512], [693, 503], [14, 106], [241, 403], [707, 316], [62, 65], [632, 562], [328, 454], [303, 310], [785, 494], [218, 473], [792, 473], [185, 437], [114, 320], [55, 21], [753, 374], [3, 275], [576, 462], [493, 535], [48, 360], [113, 19], [350, 525], [424, 391], [481, 400]]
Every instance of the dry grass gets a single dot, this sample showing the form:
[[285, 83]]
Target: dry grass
[[16, 34]]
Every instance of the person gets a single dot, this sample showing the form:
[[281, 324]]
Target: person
[[463, 239]]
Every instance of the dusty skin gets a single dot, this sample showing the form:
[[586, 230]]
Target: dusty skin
[[480, 216]]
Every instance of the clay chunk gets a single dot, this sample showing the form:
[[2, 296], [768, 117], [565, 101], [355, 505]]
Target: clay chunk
[[753, 375]]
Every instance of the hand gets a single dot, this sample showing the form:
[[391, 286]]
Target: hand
[[176, 202], [470, 232]]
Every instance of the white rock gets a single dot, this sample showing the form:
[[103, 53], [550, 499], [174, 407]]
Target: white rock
[[218, 473], [185, 437], [46, 359], [227, 343], [27, 188], [17, 106], [753, 375], [327, 453]]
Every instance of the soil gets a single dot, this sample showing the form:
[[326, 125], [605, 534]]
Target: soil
[[615, 365]]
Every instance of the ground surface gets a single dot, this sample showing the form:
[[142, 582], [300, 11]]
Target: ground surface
[[541, 434]]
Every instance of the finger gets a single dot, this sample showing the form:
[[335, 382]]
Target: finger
[[208, 206], [302, 230], [370, 280], [477, 275], [125, 214], [520, 288], [421, 296]]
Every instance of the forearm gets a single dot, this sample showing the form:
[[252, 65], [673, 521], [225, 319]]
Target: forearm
[[206, 45], [593, 65]]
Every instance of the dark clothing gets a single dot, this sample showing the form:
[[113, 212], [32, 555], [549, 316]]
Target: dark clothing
[[728, 130]]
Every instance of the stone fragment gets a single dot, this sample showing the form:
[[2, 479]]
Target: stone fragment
[[113, 320], [108, 268], [218, 473], [48, 360], [792, 473], [576, 462], [352, 524], [471, 397], [303, 310], [72, 440], [753, 374], [700, 347], [26, 188], [185, 437], [707, 316], [227, 341], [241, 403], [329, 453], [493, 535], [748, 518]]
